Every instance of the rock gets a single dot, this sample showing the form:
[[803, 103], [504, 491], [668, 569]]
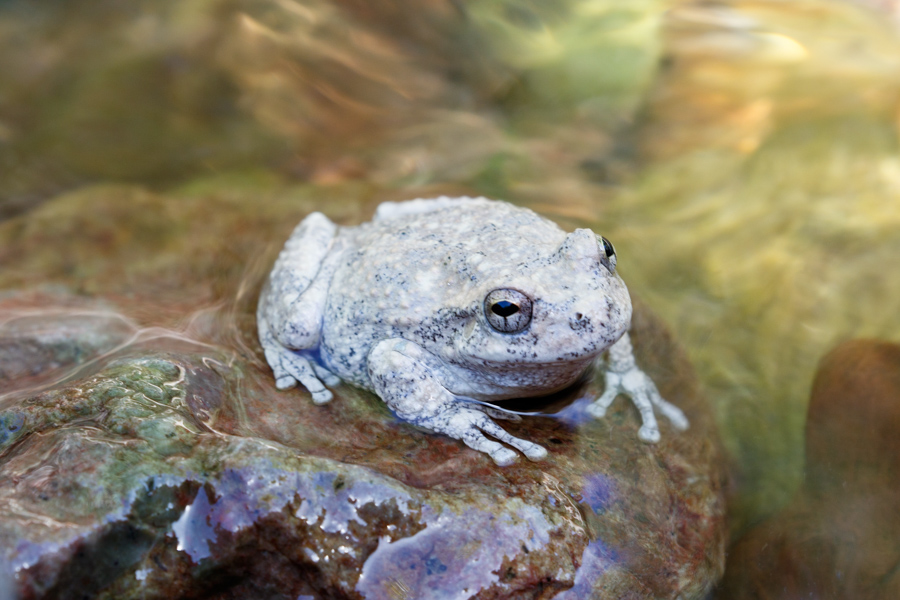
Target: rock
[[39, 344], [838, 538], [853, 420], [169, 466]]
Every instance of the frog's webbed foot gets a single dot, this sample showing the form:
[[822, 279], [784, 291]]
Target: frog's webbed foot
[[469, 424], [290, 367], [401, 377], [638, 385], [325, 375], [623, 376]]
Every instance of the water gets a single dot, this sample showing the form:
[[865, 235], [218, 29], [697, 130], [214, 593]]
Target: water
[[742, 156]]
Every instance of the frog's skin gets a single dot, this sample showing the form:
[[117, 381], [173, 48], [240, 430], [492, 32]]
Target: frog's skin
[[417, 306]]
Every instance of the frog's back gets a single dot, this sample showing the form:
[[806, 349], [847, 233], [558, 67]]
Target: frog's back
[[463, 226]]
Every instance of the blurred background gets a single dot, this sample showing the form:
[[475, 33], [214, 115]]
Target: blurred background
[[741, 155]]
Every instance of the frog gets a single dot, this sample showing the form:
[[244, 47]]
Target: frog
[[444, 306]]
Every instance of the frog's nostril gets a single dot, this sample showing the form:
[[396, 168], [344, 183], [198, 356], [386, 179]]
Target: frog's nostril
[[504, 308]]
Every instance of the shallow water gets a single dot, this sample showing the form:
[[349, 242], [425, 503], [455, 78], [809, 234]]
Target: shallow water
[[741, 155]]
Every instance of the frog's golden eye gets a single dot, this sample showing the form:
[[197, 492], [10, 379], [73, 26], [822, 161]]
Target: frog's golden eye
[[508, 311], [607, 254]]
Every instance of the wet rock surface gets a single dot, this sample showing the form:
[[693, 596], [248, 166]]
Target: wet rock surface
[[838, 538], [148, 454]]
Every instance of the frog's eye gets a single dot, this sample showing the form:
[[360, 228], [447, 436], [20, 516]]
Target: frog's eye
[[607, 254], [507, 311]]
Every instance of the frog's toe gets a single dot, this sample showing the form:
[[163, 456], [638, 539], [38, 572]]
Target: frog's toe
[[474, 439], [535, 452], [291, 367], [596, 410], [673, 413], [329, 378], [322, 396], [529, 449], [648, 434], [503, 456], [285, 383], [679, 421]]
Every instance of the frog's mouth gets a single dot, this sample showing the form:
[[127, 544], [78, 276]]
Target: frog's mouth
[[546, 404], [528, 349], [525, 380]]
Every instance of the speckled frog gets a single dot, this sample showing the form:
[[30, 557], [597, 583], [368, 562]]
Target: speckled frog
[[441, 305]]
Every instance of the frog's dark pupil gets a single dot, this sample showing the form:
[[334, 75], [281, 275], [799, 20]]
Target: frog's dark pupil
[[504, 308], [608, 248]]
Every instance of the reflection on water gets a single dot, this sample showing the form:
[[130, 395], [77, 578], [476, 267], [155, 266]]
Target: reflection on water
[[50, 347], [742, 156]]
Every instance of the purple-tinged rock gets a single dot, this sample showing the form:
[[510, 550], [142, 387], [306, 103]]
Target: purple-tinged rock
[[162, 473]]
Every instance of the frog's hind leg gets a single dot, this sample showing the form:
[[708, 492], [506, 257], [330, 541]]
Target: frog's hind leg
[[294, 301], [290, 367], [325, 375], [289, 317]]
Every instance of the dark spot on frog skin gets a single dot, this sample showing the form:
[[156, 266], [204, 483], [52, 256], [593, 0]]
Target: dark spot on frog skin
[[581, 323]]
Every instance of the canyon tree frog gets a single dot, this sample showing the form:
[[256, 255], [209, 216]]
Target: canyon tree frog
[[441, 305]]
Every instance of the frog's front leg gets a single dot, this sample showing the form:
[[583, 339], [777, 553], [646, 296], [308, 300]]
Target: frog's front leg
[[623, 376], [400, 375]]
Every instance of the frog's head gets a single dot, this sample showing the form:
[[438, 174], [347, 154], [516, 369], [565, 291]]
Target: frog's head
[[542, 322]]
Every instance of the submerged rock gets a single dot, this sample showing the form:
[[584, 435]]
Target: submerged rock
[[162, 470], [36, 344], [838, 538]]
